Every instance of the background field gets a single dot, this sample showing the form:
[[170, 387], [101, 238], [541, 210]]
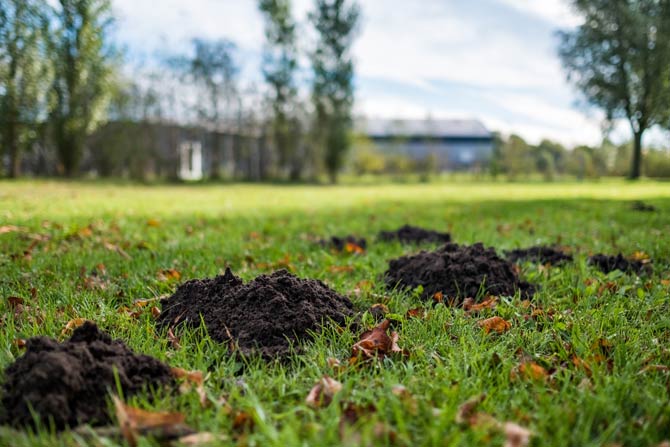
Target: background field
[[85, 250]]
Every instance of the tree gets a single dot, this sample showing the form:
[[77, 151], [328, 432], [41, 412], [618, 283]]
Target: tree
[[82, 59], [620, 59], [332, 90], [516, 157], [213, 71], [23, 75], [280, 61]]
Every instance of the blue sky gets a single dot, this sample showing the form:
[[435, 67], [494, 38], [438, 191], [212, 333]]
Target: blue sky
[[494, 60]]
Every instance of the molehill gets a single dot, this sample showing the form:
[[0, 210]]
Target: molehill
[[607, 264], [340, 243], [68, 383], [541, 254], [458, 272], [263, 316], [408, 234]]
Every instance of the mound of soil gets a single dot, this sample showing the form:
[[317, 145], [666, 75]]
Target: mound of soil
[[262, 316], [68, 383], [540, 254], [607, 264], [408, 234], [458, 272], [340, 243], [639, 205]]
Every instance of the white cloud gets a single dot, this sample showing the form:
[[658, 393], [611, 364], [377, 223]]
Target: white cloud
[[557, 12]]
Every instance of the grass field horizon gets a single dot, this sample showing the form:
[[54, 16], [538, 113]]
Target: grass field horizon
[[63, 232]]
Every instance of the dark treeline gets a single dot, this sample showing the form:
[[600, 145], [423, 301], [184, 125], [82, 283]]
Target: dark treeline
[[66, 105]]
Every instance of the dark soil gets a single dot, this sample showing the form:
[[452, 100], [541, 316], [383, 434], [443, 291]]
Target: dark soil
[[262, 316], [68, 383], [458, 272], [607, 264], [539, 254], [408, 234], [340, 243], [639, 205]]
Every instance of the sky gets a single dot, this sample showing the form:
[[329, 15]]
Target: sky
[[493, 60]]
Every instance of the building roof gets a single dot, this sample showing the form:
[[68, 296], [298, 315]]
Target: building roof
[[453, 128]]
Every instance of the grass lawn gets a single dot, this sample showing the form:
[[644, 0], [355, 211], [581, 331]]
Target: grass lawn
[[604, 340]]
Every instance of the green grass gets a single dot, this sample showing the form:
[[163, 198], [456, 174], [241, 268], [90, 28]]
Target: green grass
[[199, 230]]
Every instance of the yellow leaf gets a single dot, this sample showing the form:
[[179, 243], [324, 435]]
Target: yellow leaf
[[496, 324]]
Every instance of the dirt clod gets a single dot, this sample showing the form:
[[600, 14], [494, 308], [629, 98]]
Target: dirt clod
[[539, 254], [607, 264], [68, 383], [457, 272], [639, 205], [408, 234], [262, 316]]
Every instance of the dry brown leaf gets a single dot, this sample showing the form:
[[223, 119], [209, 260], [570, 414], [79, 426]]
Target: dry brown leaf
[[438, 297], [113, 247], [654, 368], [203, 438], [134, 422], [20, 343], [376, 343], [153, 223], [72, 325], [243, 422], [321, 395], [467, 411], [516, 435], [15, 301], [155, 312], [9, 229], [192, 379], [169, 275], [351, 414], [174, 340], [532, 371], [495, 324], [350, 247], [470, 306], [341, 268], [418, 312]]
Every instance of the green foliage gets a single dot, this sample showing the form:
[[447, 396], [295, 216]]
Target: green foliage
[[516, 160], [620, 59], [332, 91], [24, 76], [657, 163], [280, 61], [83, 63]]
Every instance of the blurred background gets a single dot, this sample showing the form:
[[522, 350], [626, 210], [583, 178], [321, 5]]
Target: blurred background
[[320, 90]]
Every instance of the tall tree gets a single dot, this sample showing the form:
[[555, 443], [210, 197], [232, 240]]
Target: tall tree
[[620, 59], [83, 62], [23, 76], [213, 71], [280, 62], [333, 91]]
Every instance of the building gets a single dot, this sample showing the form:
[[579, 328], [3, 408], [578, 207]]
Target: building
[[455, 144]]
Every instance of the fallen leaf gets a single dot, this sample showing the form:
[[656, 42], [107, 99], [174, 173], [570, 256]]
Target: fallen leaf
[[15, 301], [341, 268], [438, 297], [169, 275], [376, 343], [350, 247], [470, 306], [496, 324], [115, 248], [155, 312], [418, 312], [351, 414], [379, 310], [532, 371], [134, 422], [203, 438], [467, 411], [192, 379], [9, 229], [72, 325], [516, 435], [243, 421], [174, 340], [654, 368], [321, 395], [153, 223], [20, 343]]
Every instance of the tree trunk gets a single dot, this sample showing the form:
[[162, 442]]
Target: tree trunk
[[215, 159], [637, 155]]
